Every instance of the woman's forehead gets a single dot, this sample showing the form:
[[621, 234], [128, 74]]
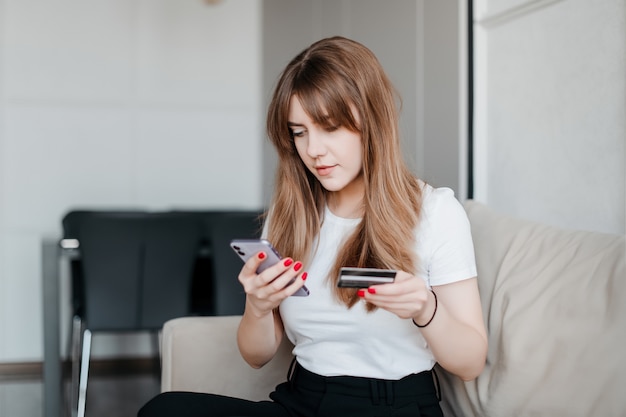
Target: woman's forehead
[[324, 110]]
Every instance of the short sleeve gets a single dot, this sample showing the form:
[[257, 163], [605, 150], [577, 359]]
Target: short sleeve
[[444, 239]]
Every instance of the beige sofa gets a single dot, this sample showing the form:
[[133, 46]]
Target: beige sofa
[[554, 303]]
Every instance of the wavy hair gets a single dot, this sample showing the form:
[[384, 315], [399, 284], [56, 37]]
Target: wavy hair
[[333, 78]]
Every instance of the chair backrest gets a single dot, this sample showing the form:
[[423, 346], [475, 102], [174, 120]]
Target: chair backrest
[[72, 223], [136, 267], [228, 295], [171, 247]]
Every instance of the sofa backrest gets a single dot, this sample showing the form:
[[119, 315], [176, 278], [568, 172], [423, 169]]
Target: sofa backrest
[[554, 303]]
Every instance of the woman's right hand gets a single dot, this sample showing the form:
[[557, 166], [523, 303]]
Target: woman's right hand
[[265, 291], [260, 331]]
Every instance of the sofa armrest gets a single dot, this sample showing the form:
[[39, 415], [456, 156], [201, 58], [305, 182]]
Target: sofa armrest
[[200, 354]]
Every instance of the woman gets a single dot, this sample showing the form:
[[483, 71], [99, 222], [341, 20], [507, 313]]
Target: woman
[[344, 197]]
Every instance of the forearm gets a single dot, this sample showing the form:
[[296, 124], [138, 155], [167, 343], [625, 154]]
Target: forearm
[[258, 337], [457, 346]]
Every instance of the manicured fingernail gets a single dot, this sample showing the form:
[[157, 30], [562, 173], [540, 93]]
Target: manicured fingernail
[[297, 266], [371, 290], [261, 255], [304, 276], [288, 262], [361, 292]]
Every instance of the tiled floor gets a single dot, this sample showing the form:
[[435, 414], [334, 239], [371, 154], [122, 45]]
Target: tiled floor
[[107, 395]]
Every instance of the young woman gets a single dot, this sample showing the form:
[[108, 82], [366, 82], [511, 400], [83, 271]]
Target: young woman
[[344, 197]]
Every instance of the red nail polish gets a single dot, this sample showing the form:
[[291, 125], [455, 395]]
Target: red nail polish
[[361, 292], [304, 276], [371, 290], [261, 255], [297, 266], [288, 262]]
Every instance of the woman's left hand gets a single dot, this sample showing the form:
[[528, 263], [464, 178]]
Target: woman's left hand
[[407, 297]]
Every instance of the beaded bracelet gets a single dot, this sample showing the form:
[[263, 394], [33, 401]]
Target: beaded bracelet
[[432, 317]]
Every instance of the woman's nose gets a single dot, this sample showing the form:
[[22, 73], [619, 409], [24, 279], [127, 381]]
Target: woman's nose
[[316, 146]]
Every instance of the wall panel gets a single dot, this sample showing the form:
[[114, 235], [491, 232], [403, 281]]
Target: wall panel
[[67, 50], [553, 104]]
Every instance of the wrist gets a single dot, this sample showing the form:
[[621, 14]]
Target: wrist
[[424, 319], [252, 310]]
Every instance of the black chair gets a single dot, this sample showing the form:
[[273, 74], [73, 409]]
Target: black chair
[[134, 273], [216, 290], [228, 295]]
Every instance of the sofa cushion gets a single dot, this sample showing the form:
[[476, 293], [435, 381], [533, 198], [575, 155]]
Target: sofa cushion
[[554, 303]]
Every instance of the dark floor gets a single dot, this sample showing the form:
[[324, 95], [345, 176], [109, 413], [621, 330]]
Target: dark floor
[[107, 395]]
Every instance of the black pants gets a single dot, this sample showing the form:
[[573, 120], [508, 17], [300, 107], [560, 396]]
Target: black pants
[[309, 395]]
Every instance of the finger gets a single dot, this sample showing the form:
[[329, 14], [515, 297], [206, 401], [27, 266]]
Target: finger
[[248, 271], [403, 305], [288, 270], [276, 271], [295, 284], [252, 280], [404, 296], [252, 265], [390, 290], [397, 305], [288, 277]]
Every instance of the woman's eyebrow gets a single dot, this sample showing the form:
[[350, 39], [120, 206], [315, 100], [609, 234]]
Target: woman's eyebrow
[[290, 124]]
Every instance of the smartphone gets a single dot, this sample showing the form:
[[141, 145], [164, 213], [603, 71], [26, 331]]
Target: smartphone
[[246, 248], [364, 277]]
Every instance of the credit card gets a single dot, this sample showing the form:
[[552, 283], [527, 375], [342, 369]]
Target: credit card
[[364, 277]]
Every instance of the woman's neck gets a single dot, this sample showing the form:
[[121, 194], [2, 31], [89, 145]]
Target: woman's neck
[[347, 203]]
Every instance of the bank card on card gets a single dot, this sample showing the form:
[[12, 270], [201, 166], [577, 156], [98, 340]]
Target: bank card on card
[[364, 277]]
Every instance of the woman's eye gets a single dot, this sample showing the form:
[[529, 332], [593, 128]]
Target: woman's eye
[[297, 133]]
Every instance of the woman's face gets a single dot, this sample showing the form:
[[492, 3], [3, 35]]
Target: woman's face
[[333, 155]]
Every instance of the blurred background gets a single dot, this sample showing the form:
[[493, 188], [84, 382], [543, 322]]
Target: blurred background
[[160, 104]]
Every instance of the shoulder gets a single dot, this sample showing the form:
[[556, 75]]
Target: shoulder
[[440, 205], [444, 237]]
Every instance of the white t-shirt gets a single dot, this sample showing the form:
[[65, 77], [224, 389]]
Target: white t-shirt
[[331, 339]]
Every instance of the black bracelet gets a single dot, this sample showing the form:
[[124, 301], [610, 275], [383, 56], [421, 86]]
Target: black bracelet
[[432, 317]]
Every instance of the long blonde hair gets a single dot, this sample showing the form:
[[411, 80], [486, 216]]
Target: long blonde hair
[[332, 78]]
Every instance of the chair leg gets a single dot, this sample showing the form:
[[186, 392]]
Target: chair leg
[[84, 372], [77, 328]]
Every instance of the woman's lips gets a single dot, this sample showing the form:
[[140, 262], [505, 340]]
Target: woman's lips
[[324, 170]]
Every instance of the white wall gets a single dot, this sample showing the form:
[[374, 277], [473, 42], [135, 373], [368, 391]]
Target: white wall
[[551, 111], [118, 103]]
